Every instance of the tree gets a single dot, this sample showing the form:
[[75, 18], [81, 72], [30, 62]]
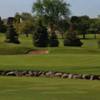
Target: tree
[[81, 24], [51, 10], [84, 25], [2, 26], [94, 26], [17, 17], [27, 27], [63, 26], [71, 38], [40, 36], [11, 35], [26, 16], [53, 41], [17, 22], [24, 23]]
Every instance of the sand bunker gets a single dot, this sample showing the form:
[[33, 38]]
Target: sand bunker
[[36, 52]]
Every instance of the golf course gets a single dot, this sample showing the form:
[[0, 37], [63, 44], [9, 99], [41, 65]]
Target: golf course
[[78, 60], [50, 50]]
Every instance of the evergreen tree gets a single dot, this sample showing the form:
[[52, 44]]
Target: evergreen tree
[[2, 26], [11, 35], [40, 36], [53, 41]]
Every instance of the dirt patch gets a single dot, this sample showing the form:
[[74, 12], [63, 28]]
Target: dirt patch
[[36, 52]]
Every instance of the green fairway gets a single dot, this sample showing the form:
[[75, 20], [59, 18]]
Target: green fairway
[[75, 63], [48, 89], [64, 59], [49, 52], [67, 59]]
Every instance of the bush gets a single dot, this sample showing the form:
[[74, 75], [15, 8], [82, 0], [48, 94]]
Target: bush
[[40, 36], [11, 35], [3, 28], [53, 41], [72, 40]]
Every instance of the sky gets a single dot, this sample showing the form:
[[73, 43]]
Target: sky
[[78, 7], [85, 7]]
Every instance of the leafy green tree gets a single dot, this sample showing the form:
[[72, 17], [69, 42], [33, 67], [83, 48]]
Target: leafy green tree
[[17, 17], [26, 16], [95, 26], [81, 24], [63, 26], [17, 22], [26, 27], [40, 36], [24, 23], [51, 10], [84, 25], [75, 21]]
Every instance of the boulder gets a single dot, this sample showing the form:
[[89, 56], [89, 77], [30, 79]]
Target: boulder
[[65, 75], [12, 73]]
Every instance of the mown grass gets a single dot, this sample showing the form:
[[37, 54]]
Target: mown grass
[[59, 62], [67, 59], [48, 89], [13, 49], [85, 59]]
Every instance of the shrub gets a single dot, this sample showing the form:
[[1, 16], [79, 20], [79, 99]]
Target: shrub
[[11, 35], [53, 41], [40, 36], [71, 39]]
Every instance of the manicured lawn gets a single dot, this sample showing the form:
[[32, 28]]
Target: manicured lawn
[[67, 59], [48, 89], [75, 63], [13, 49]]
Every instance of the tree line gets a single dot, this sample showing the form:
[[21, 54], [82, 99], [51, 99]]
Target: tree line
[[52, 17]]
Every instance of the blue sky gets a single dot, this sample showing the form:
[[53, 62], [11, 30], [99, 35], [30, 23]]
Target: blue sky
[[78, 7], [85, 7]]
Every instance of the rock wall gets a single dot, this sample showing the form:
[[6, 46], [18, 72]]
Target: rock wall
[[50, 74]]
